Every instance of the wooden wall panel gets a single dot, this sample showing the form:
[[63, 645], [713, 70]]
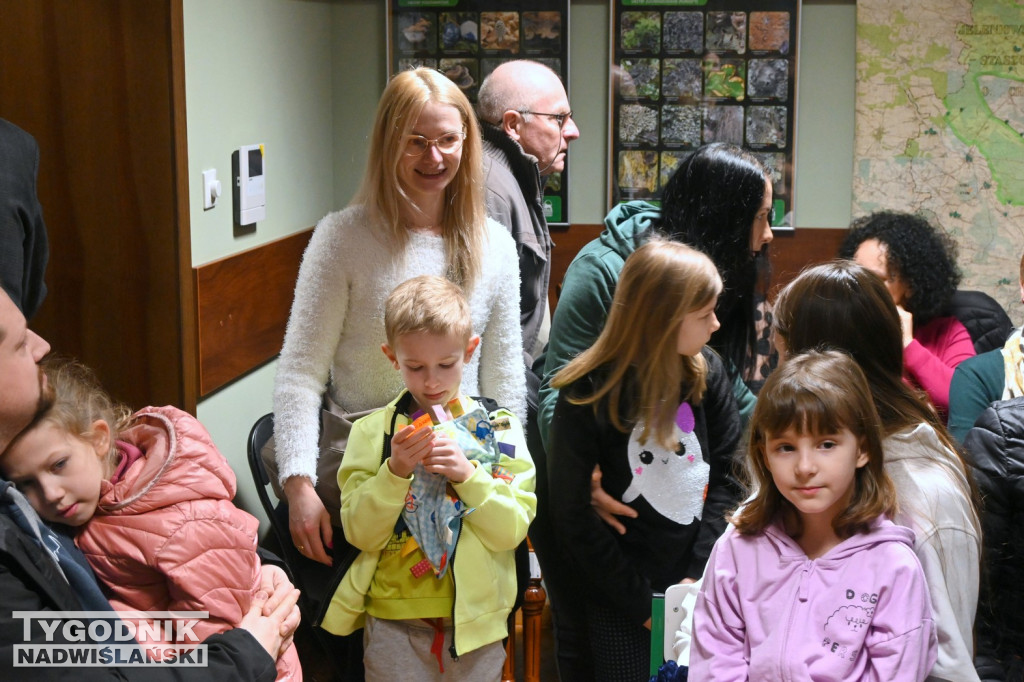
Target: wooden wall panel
[[94, 83], [243, 302], [790, 252], [568, 241], [189, 379]]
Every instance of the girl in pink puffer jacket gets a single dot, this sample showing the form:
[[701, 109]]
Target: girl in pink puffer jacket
[[151, 497]]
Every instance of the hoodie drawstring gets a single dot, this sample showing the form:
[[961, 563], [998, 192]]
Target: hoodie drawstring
[[437, 646]]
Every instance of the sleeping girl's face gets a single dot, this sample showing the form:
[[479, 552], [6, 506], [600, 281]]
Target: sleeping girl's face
[[58, 473]]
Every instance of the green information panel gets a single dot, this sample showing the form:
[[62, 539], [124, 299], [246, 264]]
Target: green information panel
[[685, 73]]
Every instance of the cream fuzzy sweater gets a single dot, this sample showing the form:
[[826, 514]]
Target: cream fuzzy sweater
[[336, 329]]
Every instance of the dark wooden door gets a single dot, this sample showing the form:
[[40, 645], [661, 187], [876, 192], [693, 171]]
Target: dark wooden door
[[100, 84]]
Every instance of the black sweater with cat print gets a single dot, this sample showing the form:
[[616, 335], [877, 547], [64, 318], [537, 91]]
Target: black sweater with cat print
[[681, 497]]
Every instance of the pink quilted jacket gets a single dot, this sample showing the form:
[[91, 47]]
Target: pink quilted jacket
[[167, 537]]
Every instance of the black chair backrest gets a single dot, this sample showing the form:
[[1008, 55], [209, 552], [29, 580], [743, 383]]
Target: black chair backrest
[[343, 655], [986, 321], [261, 432]]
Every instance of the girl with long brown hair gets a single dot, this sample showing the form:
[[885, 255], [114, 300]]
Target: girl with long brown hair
[[814, 581], [653, 407]]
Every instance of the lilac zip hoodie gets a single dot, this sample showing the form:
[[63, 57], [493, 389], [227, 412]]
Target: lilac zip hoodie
[[767, 612]]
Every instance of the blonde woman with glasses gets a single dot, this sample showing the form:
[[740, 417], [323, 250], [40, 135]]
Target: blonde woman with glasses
[[419, 211]]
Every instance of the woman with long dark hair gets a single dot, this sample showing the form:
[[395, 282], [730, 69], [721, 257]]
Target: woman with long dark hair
[[718, 201]]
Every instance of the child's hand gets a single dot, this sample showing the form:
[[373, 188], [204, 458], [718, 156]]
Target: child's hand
[[448, 460], [408, 447]]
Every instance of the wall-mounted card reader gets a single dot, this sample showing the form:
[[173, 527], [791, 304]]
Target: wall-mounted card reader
[[249, 186]]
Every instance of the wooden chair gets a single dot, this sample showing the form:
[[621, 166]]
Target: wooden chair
[[532, 609]]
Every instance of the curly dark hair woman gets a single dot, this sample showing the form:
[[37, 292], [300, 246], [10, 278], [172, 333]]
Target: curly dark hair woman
[[923, 257], [918, 264]]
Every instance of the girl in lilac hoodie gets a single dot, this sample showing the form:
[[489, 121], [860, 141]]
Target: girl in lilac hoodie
[[814, 582]]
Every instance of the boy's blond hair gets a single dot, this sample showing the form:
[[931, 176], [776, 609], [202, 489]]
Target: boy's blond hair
[[427, 304]]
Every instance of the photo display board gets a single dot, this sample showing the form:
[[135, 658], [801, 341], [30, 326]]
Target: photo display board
[[467, 39], [689, 72]]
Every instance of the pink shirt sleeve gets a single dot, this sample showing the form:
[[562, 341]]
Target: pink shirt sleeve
[[930, 359]]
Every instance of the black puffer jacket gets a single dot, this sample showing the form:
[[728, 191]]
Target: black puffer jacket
[[985, 320], [995, 448]]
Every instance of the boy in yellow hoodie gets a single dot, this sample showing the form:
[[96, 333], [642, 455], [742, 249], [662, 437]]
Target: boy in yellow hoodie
[[435, 581]]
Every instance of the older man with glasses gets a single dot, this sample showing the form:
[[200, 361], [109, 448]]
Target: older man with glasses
[[527, 127]]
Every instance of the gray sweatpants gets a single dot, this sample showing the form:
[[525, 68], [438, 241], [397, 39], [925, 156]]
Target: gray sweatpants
[[400, 650]]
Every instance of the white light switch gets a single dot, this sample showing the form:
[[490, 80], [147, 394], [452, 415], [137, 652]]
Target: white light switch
[[211, 188]]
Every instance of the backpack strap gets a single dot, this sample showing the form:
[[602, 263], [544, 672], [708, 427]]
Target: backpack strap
[[489, 404], [401, 407], [345, 558]]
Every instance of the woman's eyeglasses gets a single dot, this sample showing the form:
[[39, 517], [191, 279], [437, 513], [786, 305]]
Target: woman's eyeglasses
[[449, 143]]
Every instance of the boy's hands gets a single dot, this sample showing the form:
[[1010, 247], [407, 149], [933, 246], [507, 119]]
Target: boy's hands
[[447, 459], [439, 454], [408, 447]]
